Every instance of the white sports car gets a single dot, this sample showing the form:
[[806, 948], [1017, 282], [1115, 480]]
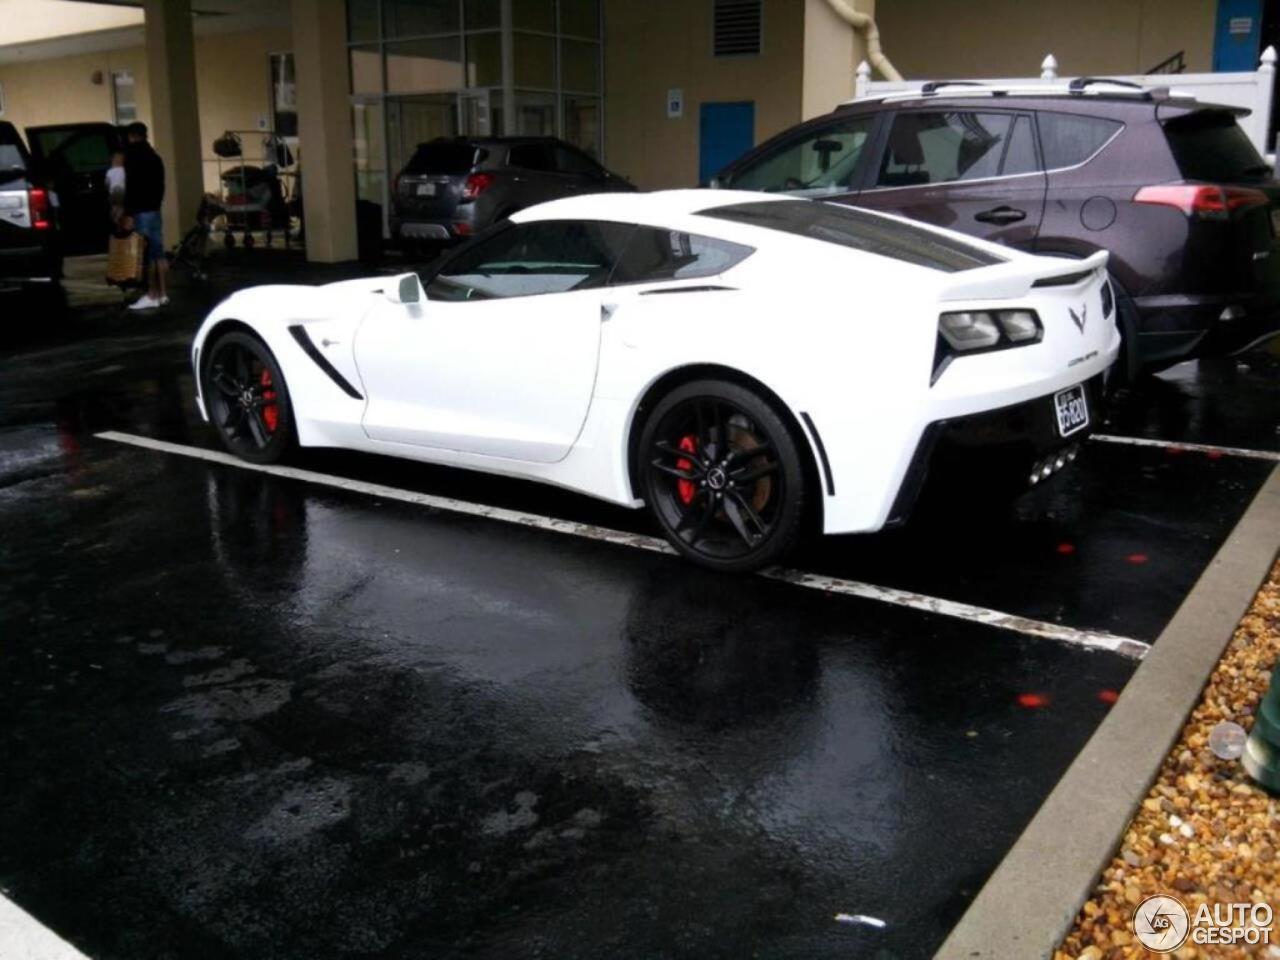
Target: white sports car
[[741, 363]]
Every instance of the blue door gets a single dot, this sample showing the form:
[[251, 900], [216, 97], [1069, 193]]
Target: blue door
[[1236, 37], [725, 132]]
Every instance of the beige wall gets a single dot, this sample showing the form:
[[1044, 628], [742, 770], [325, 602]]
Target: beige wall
[[233, 82], [1008, 38], [62, 90], [654, 46]]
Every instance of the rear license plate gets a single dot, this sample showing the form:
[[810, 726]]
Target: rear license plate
[[1275, 223], [426, 189], [1072, 409]]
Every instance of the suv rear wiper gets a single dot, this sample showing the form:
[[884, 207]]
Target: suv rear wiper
[[1256, 169], [12, 173]]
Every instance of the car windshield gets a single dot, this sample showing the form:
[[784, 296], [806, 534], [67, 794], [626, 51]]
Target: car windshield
[[445, 157], [859, 230], [1209, 145]]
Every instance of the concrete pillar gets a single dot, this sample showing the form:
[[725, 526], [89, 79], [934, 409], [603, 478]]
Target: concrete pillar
[[175, 114], [324, 129]]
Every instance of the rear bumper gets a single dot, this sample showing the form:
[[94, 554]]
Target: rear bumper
[[1179, 327], [463, 222], [28, 265], [994, 449]]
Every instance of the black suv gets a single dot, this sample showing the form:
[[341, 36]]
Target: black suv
[[455, 187], [30, 256], [1172, 187]]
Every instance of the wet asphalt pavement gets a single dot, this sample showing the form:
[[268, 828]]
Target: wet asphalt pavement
[[251, 717]]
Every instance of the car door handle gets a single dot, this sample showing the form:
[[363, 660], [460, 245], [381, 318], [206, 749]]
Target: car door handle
[[1001, 215]]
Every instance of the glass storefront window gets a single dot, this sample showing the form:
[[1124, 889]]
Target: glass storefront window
[[580, 18], [424, 66], [580, 66], [534, 15], [367, 125], [416, 18], [366, 69], [427, 68], [482, 15], [582, 123], [484, 60], [415, 120], [362, 20], [535, 60], [535, 115]]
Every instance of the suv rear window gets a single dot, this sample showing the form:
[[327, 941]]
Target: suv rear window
[[1209, 145], [445, 157], [13, 159], [859, 230], [1068, 139]]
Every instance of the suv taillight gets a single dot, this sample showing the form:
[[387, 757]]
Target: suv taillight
[[1201, 200], [38, 199], [476, 184]]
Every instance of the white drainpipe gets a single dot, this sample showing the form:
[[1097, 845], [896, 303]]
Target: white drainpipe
[[865, 25]]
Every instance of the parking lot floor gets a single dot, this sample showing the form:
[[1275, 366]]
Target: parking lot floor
[[250, 716]]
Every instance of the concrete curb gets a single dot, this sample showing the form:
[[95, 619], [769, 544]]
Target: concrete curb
[[1027, 906]]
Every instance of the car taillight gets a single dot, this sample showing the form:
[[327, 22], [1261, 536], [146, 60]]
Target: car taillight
[[38, 198], [1201, 200], [476, 184]]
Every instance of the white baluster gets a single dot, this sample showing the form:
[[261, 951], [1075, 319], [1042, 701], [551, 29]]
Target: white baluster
[[862, 84]]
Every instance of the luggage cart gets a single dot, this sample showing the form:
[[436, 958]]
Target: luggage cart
[[256, 198]]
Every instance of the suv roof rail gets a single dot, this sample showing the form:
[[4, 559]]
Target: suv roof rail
[[933, 86], [1081, 84]]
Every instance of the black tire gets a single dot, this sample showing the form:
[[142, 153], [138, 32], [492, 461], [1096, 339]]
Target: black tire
[[718, 503], [1128, 366], [247, 399]]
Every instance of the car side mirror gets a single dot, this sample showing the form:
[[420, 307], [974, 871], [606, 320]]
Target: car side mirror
[[406, 288]]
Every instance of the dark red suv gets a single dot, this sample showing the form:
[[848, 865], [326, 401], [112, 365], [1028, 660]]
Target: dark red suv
[[1172, 187]]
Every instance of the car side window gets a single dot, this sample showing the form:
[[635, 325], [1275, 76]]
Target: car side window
[[1067, 139], [573, 162], [1020, 154], [943, 147], [821, 161], [654, 255], [526, 259], [531, 156]]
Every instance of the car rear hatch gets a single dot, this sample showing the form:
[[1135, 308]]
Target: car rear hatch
[[1231, 197], [18, 218], [73, 159], [431, 184]]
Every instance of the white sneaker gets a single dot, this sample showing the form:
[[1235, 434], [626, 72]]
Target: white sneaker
[[164, 301], [144, 302]]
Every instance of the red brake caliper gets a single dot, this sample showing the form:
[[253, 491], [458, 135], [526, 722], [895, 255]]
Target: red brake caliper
[[270, 412], [686, 489]]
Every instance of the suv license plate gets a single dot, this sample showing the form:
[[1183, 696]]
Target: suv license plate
[[426, 189], [1072, 409]]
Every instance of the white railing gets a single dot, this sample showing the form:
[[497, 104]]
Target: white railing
[[1251, 90]]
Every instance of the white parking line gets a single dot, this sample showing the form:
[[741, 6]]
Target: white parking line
[[1091, 639], [1270, 455], [26, 938]]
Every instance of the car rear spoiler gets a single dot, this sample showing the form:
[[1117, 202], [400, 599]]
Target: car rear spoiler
[[1016, 278]]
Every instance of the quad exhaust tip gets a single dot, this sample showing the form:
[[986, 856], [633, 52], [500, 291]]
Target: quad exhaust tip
[[1051, 464]]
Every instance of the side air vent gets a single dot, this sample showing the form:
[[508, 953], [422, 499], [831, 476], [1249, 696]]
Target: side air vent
[[737, 27]]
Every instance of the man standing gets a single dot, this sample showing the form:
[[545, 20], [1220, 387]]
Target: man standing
[[143, 194]]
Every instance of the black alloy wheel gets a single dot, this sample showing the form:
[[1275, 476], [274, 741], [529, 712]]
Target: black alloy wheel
[[247, 400], [722, 474]]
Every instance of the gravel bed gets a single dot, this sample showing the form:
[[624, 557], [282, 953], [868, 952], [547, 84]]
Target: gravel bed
[[1205, 833]]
